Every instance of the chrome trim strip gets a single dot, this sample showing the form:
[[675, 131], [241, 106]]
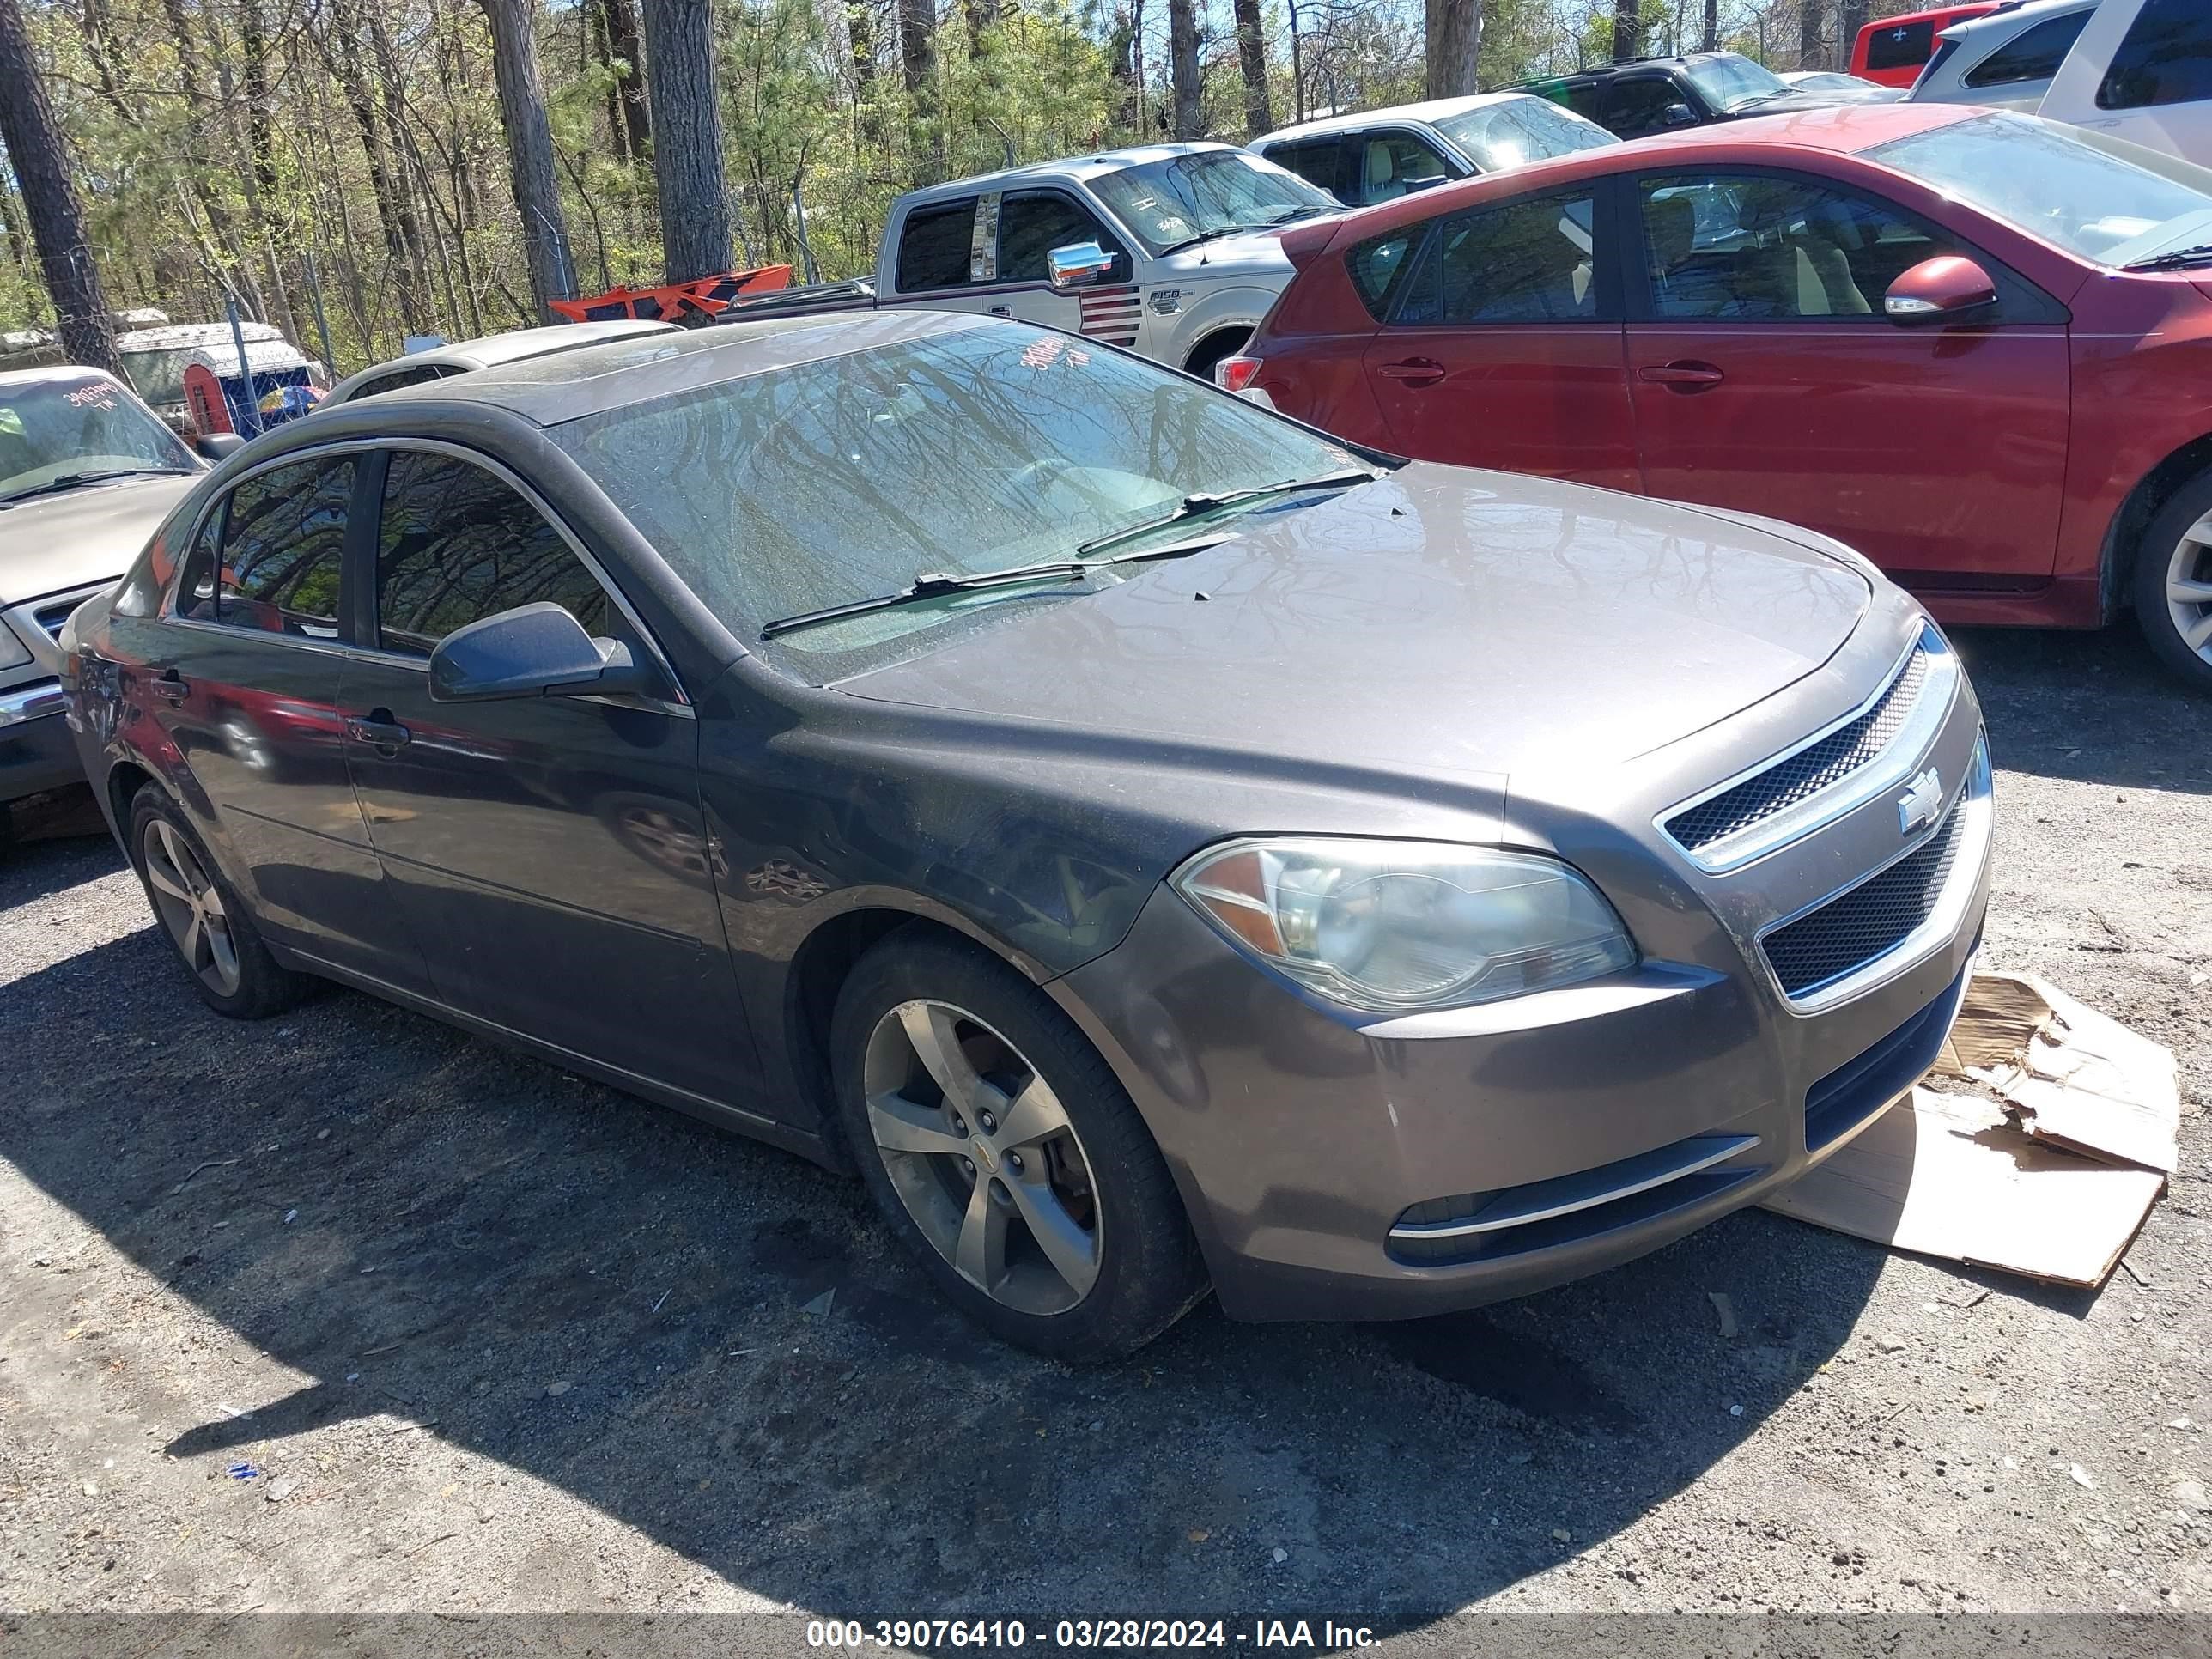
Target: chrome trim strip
[[31, 702], [1722, 1150], [1848, 792], [1976, 822]]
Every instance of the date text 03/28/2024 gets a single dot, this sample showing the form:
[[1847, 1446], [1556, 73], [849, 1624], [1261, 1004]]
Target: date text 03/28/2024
[[932, 1635]]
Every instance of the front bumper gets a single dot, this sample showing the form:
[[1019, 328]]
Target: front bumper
[[36, 753], [1342, 1166]]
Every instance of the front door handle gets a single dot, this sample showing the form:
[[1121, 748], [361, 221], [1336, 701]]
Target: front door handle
[[1414, 370], [171, 687], [1687, 374], [380, 731]]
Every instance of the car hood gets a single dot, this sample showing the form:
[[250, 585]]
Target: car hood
[[1245, 253], [51, 543], [1805, 97], [1438, 621]]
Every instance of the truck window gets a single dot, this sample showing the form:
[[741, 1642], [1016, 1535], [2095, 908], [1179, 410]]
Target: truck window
[[1906, 46], [1313, 159], [1033, 223], [934, 244], [2167, 58]]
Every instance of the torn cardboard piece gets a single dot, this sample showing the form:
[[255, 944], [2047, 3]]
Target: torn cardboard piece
[[2054, 1186]]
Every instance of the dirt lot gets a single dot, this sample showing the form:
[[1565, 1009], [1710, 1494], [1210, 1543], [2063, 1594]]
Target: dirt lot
[[499, 1340]]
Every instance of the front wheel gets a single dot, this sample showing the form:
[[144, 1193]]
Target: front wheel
[[1007, 1154], [2173, 584]]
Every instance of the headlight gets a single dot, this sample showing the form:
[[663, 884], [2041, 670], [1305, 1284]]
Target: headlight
[[1387, 927]]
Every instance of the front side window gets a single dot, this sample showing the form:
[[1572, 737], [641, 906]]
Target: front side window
[[2059, 183], [935, 247], [826, 481], [1187, 198], [62, 432], [1638, 105], [1769, 248], [283, 535], [2033, 54], [1525, 262], [2165, 57], [1392, 164], [1513, 130], [1033, 223], [454, 544]]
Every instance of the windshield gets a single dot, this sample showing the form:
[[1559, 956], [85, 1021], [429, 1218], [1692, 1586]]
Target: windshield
[[1728, 82], [1505, 135], [2099, 198], [83, 426], [981, 448], [1167, 203]]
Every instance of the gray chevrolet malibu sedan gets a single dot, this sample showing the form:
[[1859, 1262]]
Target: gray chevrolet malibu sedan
[[1158, 847]]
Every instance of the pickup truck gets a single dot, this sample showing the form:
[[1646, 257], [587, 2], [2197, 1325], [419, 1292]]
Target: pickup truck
[[1172, 251]]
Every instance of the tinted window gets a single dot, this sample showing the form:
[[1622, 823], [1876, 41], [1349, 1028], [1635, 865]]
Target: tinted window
[[196, 593], [1766, 248], [1389, 163], [1639, 106], [1033, 223], [1906, 45], [1527, 262], [393, 381], [282, 535], [2032, 55], [1378, 264], [1313, 159], [2167, 58], [1586, 98], [455, 544], [934, 247]]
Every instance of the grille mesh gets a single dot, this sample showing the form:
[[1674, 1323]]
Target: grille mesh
[[1808, 771], [1855, 927]]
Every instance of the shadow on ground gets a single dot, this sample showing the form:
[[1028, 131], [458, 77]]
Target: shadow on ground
[[2095, 708], [473, 1227]]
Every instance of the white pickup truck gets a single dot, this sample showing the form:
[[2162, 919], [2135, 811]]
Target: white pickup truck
[[1170, 250]]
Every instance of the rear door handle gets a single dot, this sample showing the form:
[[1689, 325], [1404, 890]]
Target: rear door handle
[[1414, 370], [380, 730], [1687, 374], [171, 687]]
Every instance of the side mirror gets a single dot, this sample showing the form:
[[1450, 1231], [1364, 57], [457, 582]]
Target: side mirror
[[533, 650], [1948, 288], [1677, 115], [1426, 181], [215, 446], [1077, 264]]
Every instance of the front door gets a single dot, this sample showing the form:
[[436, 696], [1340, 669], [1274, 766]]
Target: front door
[[1503, 346], [548, 852], [1767, 377], [986, 254]]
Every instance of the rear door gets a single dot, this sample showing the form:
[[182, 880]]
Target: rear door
[[2144, 74], [1766, 378], [1502, 346], [548, 853]]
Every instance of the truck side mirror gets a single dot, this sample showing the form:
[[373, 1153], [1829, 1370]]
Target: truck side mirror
[[1077, 264], [1677, 115]]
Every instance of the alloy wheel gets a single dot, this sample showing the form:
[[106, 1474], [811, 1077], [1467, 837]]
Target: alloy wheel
[[983, 1156], [191, 907], [2189, 588]]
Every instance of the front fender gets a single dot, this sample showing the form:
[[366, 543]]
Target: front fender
[[1214, 310]]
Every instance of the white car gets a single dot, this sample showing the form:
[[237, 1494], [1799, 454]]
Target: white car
[[458, 358], [1380, 154], [2142, 70], [2005, 59]]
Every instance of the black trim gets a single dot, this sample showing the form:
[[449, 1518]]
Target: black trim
[[357, 569]]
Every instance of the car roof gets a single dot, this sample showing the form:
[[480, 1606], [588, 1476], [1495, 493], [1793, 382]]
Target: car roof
[[2022, 17], [176, 336], [1920, 16], [1428, 110], [49, 374], [1619, 66], [1084, 167], [559, 386], [491, 350]]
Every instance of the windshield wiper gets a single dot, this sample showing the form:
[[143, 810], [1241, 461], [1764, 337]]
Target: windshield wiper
[[937, 584], [72, 480], [1193, 504], [2179, 259]]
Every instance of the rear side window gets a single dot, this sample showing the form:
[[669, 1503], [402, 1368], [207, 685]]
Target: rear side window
[[1525, 262], [1378, 265], [399, 378], [1901, 45], [283, 535], [2032, 55], [1313, 159], [935, 245], [2167, 58], [455, 544]]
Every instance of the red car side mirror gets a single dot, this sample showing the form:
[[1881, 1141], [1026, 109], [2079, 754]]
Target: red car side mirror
[[1945, 290]]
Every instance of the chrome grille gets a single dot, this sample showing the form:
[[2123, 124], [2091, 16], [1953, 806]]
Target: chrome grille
[[1816, 767], [1867, 920]]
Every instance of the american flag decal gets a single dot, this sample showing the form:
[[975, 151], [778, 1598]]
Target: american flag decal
[[1111, 314]]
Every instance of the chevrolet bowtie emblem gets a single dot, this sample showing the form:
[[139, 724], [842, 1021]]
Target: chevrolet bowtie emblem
[[1921, 803]]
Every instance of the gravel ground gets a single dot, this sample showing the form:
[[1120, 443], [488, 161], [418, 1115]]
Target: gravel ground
[[499, 1340]]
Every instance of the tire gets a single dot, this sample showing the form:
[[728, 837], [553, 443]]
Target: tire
[[174, 868], [1095, 1185], [1211, 352], [2168, 558]]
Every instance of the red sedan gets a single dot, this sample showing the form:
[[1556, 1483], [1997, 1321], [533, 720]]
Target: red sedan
[[1976, 346]]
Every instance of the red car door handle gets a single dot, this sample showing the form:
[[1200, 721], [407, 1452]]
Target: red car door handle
[[1414, 370], [1682, 374]]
